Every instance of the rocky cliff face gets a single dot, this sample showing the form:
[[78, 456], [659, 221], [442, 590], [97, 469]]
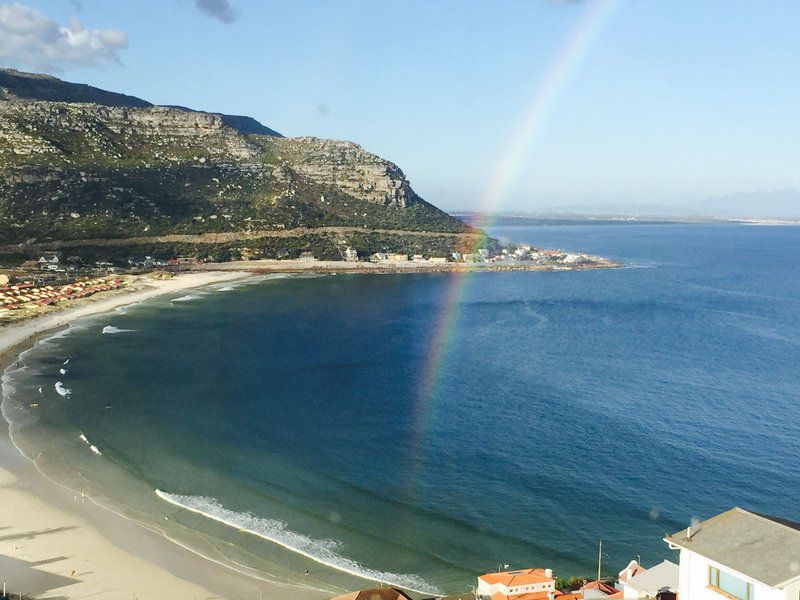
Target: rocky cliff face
[[74, 170], [64, 131], [348, 167]]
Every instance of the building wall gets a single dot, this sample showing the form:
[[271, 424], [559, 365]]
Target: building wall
[[628, 592], [486, 590], [693, 581]]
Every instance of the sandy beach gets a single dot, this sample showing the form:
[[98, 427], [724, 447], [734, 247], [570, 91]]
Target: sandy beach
[[55, 544]]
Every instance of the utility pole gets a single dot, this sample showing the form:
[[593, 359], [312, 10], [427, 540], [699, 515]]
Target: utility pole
[[599, 561]]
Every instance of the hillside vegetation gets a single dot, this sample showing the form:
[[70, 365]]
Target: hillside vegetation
[[82, 165]]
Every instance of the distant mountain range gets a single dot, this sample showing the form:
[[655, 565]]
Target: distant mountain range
[[108, 175], [776, 205]]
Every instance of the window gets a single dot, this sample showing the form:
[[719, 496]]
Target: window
[[730, 585]]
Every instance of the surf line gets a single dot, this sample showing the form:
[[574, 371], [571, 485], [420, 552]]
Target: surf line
[[346, 565]]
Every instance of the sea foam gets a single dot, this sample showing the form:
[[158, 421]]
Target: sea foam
[[62, 391], [112, 329], [321, 551]]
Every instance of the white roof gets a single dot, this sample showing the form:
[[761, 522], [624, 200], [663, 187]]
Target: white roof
[[661, 578], [759, 546]]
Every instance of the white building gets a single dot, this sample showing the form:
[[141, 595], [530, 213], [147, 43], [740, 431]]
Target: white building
[[649, 583], [633, 568], [739, 555], [49, 262], [351, 254], [397, 257], [521, 584]]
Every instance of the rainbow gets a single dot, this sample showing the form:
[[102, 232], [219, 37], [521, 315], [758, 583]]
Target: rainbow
[[566, 60]]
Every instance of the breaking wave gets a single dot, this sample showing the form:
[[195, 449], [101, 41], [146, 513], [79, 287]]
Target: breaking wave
[[62, 391], [322, 551], [92, 447], [112, 329], [185, 298]]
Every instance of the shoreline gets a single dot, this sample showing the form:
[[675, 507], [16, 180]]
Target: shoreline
[[55, 544], [125, 552], [334, 267]]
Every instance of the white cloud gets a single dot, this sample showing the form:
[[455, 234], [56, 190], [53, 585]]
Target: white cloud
[[29, 39]]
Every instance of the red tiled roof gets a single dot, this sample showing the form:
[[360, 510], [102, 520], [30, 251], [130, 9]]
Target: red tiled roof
[[599, 585], [521, 577]]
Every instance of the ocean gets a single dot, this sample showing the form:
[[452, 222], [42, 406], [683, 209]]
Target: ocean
[[293, 422]]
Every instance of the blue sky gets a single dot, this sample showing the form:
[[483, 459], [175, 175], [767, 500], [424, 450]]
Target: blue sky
[[670, 103]]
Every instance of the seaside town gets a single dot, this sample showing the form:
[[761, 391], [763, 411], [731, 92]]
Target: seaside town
[[735, 555], [46, 283], [53, 279]]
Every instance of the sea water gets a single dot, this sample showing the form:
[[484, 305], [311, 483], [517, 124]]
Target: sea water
[[423, 429]]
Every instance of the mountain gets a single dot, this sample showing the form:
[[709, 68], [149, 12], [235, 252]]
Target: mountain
[[242, 124], [777, 204], [16, 85], [108, 175]]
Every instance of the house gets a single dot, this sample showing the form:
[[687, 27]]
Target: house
[[739, 555], [456, 256], [49, 261], [437, 260], [484, 253], [350, 254], [418, 258], [378, 257], [652, 582], [307, 256], [597, 589], [397, 257], [375, 594], [633, 568], [523, 584]]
